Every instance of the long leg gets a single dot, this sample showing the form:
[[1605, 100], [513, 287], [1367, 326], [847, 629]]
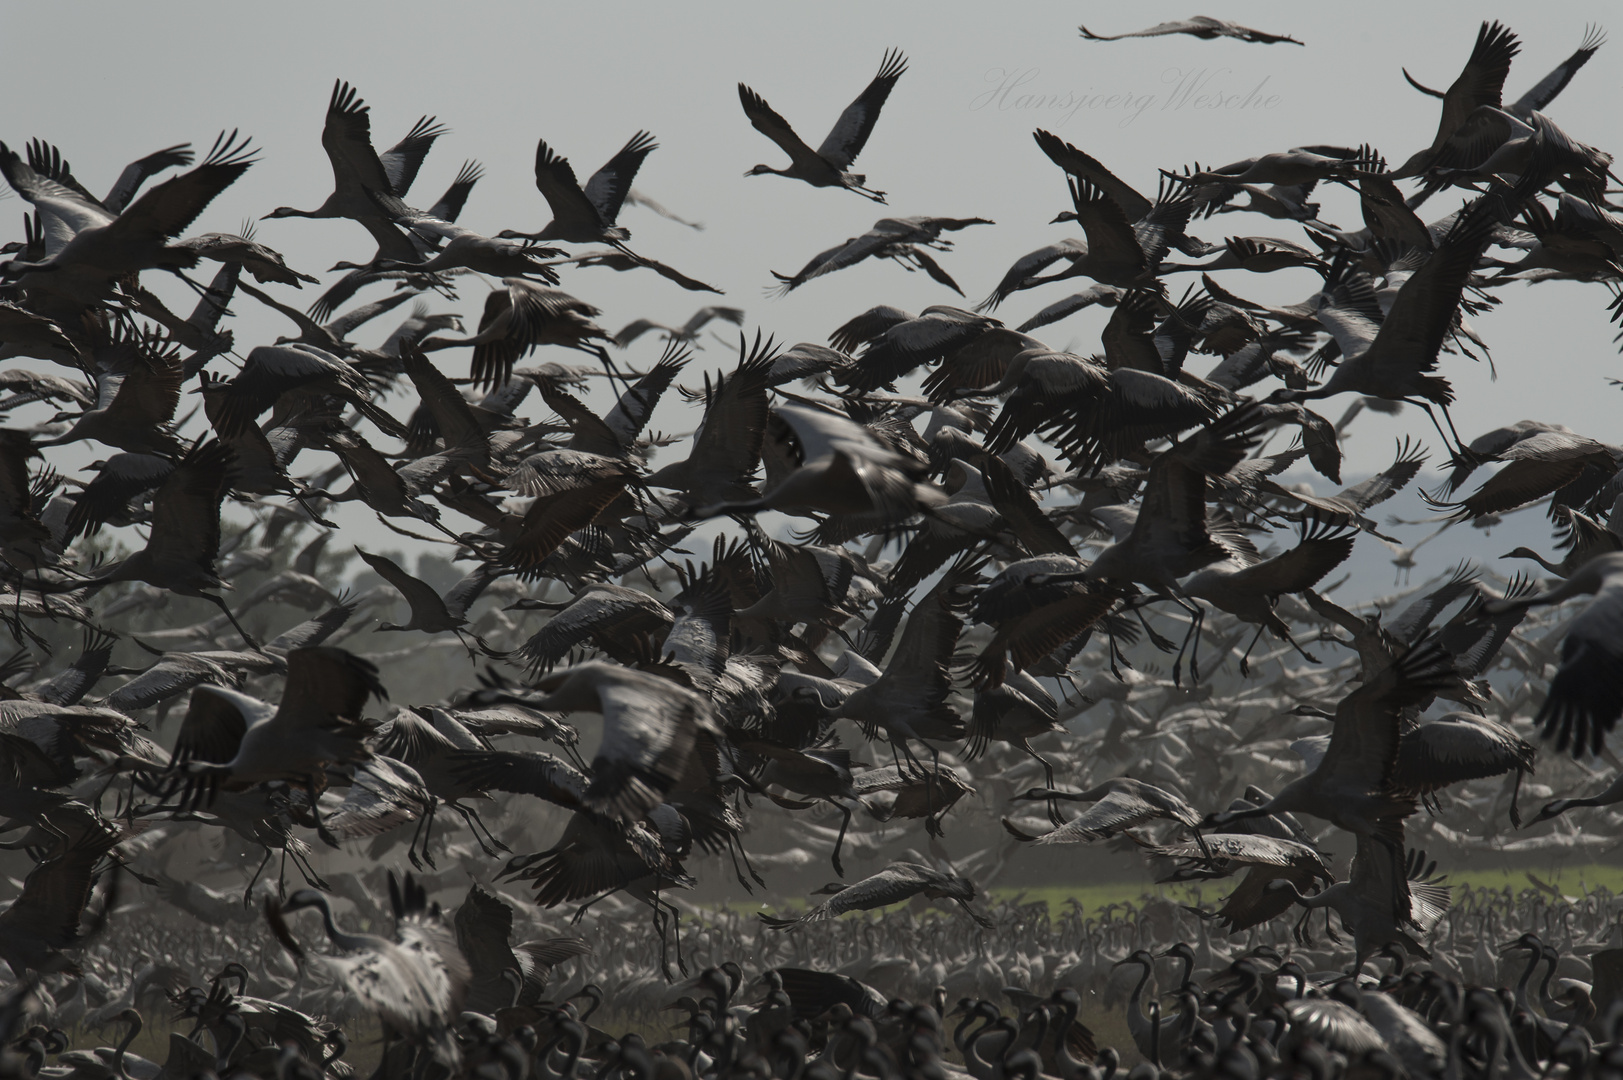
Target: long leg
[[311, 878], [1164, 644], [573, 754], [416, 838], [1115, 655], [1302, 932], [1330, 931], [299, 498], [473, 657], [248, 893], [608, 362], [475, 823], [845, 823], [580, 912], [1245, 657], [748, 866], [1054, 814], [1189, 635], [315, 812], [1459, 444], [220, 602], [932, 824], [1309, 657], [1452, 429], [899, 747], [425, 829], [1194, 644], [659, 928], [676, 932], [738, 871]]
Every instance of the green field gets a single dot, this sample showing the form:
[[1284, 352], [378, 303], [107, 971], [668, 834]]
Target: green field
[[1570, 880]]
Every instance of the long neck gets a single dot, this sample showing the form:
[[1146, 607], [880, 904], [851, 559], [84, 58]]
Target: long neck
[[1552, 958], [1528, 553], [1534, 958], [1040, 1021], [239, 1031], [959, 1039], [1062, 1037], [577, 1043], [1188, 1015], [543, 1056], [1136, 1005], [124, 1045], [972, 1052], [334, 934], [964, 1042]]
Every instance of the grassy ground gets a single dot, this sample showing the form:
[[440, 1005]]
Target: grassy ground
[[1572, 880], [1109, 1027]]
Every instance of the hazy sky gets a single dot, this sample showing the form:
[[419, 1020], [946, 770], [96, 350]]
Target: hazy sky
[[110, 82]]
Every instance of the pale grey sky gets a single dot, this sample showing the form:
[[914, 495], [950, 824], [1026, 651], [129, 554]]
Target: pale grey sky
[[108, 82]]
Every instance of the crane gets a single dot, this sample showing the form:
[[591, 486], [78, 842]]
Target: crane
[[827, 165]]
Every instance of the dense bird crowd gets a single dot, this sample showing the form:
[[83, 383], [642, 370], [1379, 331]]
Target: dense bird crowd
[[1076, 589]]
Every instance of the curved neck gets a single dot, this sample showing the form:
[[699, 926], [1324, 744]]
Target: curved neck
[[239, 1031], [575, 1033], [1137, 1000], [577, 1043], [334, 934], [1552, 958], [124, 1046], [592, 994], [339, 1042], [962, 1041], [1062, 1039], [1040, 1021], [1534, 959], [1528, 553], [959, 1040], [972, 1050]]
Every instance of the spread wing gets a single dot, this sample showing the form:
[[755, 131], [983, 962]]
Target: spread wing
[[766, 120], [850, 133], [607, 188]]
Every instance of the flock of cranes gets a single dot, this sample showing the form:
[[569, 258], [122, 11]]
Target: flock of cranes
[[1001, 562]]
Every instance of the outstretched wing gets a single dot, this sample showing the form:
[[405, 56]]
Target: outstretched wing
[[850, 133]]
